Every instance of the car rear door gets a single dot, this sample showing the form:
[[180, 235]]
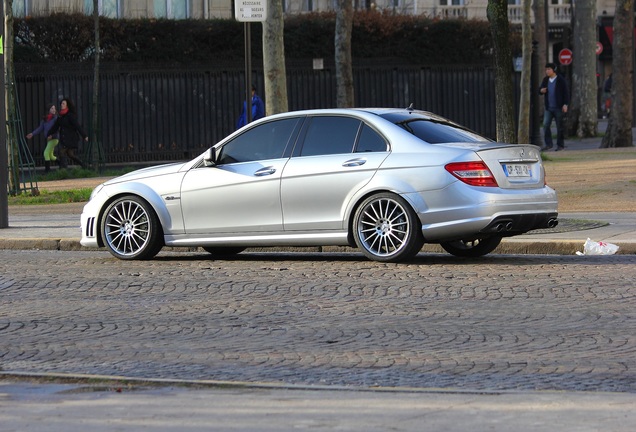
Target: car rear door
[[338, 156]]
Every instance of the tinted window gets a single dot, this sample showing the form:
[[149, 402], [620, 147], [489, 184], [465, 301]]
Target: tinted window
[[434, 131], [330, 135], [370, 141], [267, 141]]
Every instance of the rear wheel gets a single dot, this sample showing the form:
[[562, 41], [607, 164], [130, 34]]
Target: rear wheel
[[387, 229], [131, 230], [223, 251], [472, 248]]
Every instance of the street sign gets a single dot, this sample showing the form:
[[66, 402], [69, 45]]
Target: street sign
[[250, 10], [599, 48], [565, 56]]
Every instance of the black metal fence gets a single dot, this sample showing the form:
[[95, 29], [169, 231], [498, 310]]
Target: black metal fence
[[161, 115]]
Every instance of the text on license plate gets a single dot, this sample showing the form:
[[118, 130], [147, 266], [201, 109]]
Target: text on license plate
[[517, 170]]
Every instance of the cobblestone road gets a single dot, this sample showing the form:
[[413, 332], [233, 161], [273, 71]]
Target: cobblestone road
[[501, 322]]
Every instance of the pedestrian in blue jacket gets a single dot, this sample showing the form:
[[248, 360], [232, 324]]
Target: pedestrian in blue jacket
[[258, 110]]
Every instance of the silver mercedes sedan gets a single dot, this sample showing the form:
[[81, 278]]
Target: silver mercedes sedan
[[383, 180]]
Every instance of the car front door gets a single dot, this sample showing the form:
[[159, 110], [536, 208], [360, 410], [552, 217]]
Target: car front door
[[241, 193]]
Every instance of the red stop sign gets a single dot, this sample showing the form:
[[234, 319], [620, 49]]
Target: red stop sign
[[565, 56]]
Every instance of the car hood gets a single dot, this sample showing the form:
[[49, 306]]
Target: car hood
[[143, 173]]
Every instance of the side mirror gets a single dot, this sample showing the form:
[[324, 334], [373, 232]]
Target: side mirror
[[209, 157]]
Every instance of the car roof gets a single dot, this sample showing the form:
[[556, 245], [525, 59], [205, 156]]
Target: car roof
[[379, 111]]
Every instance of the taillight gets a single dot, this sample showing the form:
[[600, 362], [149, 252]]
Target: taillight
[[472, 173]]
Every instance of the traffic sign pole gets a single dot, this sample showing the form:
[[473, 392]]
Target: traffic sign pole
[[248, 71], [249, 11]]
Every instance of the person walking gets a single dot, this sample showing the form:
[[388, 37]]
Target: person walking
[[51, 141], [68, 128], [557, 97], [258, 110]]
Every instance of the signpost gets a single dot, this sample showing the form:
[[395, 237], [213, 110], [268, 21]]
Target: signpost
[[248, 11], [565, 57]]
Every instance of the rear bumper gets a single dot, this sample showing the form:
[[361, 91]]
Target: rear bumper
[[484, 211]]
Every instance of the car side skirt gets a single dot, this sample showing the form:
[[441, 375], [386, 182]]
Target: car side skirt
[[331, 238]]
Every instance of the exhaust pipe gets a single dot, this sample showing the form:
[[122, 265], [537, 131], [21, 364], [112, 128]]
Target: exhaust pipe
[[499, 227], [552, 223], [509, 226]]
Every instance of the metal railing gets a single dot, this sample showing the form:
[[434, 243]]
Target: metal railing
[[153, 116]]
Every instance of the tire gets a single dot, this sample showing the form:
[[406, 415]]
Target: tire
[[131, 230], [473, 248], [387, 229], [221, 252]]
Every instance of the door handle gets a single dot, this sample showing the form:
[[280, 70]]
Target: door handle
[[354, 162], [265, 171]]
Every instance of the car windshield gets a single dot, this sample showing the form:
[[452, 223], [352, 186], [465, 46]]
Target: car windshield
[[434, 131]]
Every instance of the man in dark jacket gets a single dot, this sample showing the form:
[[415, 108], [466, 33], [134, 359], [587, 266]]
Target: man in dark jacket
[[557, 97]]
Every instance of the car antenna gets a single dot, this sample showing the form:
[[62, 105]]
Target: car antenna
[[410, 107]]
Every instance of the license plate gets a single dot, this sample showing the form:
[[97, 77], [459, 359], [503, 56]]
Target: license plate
[[517, 170]]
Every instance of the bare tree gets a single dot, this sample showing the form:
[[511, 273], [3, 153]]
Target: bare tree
[[583, 109], [619, 127], [93, 156], [4, 162], [523, 131], [497, 13], [274, 59], [344, 62], [540, 36]]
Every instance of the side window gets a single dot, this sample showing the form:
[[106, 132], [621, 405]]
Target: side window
[[370, 141], [266, 141], [330, 135]]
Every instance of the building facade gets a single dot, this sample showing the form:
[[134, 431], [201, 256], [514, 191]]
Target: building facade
[[559, 11]]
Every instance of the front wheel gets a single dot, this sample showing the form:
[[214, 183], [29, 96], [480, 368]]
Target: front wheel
[[387, 229], [130, 229], [472, 248]]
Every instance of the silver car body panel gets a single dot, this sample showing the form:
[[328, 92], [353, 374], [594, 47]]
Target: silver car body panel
[[341, 177], [229, 209], [308, 201]]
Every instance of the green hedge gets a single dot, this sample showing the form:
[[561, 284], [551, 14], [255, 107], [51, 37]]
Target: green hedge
[[412, 39]]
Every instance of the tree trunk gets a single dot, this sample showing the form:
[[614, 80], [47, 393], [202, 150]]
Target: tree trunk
[[344, 63], [523, 132], [4, 163], [497, 13], [583, 109], [93, 157], [538, 67], [619, 126], [13, 159], [274, 59]]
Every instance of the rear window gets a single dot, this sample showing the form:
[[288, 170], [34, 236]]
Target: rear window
[[434, 131]]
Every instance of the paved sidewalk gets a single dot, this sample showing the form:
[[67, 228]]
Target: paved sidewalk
[[116, 406]]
